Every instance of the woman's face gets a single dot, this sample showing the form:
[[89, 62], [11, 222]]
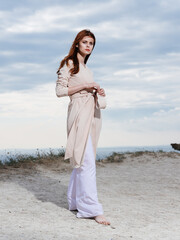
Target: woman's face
[[85, 46]]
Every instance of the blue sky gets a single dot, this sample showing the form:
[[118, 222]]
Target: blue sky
[[136, 59]]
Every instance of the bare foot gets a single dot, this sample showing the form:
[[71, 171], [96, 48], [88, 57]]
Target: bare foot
[[102, 220]]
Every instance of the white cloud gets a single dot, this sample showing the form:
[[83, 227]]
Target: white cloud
[[162, 128], [156, 74], [38, 102], [39, 120], [130, 28], [34, 118], [39, 133], [7, 53], [118, 99], [162, 120], [41, 21], [30, 68], [54, 18], [168, 6], [20, 72], [137, 63]]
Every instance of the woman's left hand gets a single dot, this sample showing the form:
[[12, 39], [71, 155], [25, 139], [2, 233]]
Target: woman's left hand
[[101, 92]]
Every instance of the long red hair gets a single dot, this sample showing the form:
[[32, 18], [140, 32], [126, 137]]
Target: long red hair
[[74, 50]]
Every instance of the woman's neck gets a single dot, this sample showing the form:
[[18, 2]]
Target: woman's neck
[[81, 58]]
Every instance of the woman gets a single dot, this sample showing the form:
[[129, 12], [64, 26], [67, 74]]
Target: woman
[[83, 126]]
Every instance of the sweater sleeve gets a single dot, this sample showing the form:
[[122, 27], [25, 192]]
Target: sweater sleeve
[[62, 81]]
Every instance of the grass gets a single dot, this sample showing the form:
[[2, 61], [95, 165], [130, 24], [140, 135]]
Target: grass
[[50, 158], [114, 157], [25, 160]]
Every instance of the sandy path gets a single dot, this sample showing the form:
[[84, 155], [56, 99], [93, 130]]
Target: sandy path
[[140, 197]]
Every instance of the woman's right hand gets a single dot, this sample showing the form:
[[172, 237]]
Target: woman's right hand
[[93, 86], [87, 86]]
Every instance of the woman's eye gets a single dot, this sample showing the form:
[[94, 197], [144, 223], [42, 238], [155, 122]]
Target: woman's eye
[[84, 42]]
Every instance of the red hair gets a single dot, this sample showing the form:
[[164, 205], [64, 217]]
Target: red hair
[[74, 50]]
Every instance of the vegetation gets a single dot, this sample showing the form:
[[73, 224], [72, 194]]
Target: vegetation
[[52, 158], [114, 157], [25, 160]]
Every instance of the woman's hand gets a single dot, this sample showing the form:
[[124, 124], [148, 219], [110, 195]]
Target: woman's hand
[[87, 86], [93, 86], [101, 92]]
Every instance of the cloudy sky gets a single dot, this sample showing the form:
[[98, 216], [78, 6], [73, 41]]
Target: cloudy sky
[[136, 59]]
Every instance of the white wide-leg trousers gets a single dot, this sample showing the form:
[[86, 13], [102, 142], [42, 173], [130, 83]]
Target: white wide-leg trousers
[[82, 190]]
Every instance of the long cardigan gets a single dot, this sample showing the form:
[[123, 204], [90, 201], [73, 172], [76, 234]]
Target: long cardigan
[[83, 117]]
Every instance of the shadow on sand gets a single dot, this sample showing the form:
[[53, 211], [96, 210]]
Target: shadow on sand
[[44, 188]]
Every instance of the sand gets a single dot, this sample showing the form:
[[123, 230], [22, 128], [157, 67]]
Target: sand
[[140, 196]]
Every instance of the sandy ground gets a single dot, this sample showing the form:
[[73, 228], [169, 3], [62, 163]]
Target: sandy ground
[[140, 196]]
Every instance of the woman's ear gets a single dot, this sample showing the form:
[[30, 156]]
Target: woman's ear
[[77, 45]]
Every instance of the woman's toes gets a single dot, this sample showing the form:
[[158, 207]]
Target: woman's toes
[[102, 220]]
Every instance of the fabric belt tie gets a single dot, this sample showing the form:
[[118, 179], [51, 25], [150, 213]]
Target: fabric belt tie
[[81, 94], [100, 100]]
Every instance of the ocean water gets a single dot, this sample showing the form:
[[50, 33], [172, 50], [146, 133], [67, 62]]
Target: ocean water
[[101, 152], [104, 152]]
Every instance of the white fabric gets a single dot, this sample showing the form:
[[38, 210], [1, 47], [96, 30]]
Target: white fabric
[[101, 102], [82, 190]]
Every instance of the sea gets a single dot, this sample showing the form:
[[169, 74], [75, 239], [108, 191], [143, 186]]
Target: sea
[[102, 152]]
